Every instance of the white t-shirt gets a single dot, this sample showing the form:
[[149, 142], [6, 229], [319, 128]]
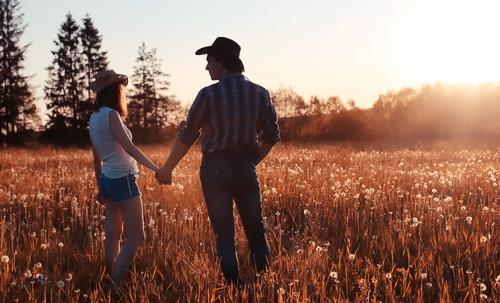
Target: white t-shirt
[[116, 161]]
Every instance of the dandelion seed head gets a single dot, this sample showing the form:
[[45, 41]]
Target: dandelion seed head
[[483, 287], [281, 291], [60, 284], [5, 259]]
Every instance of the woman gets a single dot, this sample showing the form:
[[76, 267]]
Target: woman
[[116, 172]]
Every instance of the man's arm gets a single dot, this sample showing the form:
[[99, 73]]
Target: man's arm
[[179, 150], [264, 149]]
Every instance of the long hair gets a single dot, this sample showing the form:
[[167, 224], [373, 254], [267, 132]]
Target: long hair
[[112, 96]]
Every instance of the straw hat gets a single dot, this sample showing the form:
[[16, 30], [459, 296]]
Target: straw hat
[[105, 78]]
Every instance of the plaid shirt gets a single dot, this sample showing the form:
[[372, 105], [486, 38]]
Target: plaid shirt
[[231, 114]]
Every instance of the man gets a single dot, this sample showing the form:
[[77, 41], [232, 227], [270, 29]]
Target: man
[[238, 125]]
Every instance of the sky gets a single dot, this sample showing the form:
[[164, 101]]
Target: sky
[[356, 49]]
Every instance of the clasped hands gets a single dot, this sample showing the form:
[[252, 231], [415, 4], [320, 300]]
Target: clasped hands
[[164, 176]]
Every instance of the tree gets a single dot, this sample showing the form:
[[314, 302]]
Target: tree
[[150, 106], [93, 61], [18, 112], [287, 102], [64, 86]]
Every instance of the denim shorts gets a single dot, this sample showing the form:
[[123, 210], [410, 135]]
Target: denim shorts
[[119, 189]]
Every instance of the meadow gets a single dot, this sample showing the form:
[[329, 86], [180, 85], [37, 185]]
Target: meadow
[[344, 223]]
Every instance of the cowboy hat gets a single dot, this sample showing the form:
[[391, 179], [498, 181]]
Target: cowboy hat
[[224, 45], [105, 78]]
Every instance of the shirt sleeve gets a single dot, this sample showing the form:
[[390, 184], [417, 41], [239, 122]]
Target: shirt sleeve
[[195, 121], [270, 129]]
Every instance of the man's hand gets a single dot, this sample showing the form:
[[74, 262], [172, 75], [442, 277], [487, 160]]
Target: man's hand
[[164, 176]]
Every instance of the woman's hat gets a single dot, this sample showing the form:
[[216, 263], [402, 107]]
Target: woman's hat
[[105, 78], [222, 45]]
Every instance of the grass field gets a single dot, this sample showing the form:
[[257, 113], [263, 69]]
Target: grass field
[[344, 224]]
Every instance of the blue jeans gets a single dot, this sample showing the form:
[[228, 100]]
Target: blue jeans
[[228, 177]]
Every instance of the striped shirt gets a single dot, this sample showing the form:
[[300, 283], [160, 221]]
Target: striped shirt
[[231, 115]]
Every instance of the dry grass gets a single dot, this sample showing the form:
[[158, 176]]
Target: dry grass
[[344, 225]]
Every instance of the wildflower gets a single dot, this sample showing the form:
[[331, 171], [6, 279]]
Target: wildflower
[[60, 244], [281, 291], [483, 296], [497, 279], [482, 287], [463, 208], [483, 239], [43, 246], [70, 277], [335, 275], [38, 265], [468, 220], [352, 257], [306, 212], [388, 275], [423, 275], [5, 259]]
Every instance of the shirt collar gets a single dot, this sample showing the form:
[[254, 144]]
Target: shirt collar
[[230, 75]]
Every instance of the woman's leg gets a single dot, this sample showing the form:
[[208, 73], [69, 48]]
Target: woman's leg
[[114, 230], [133, 221]]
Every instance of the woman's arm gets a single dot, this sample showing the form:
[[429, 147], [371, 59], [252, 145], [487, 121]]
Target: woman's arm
[[97, 171], [118, 131]]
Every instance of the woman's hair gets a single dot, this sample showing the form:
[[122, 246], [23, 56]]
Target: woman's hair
[[112, 96], [231, 63]]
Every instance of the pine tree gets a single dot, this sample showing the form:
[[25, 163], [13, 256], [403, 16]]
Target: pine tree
[[64, 88], [94, 60], [150, 106], [142, 90], [18, 112]]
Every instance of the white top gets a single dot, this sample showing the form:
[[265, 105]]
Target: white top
[[116, 162]]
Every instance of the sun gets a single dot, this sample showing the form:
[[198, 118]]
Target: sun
[[450, 42]]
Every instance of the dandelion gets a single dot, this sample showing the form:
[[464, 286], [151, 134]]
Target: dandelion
[[483, 239], [70, 277], [306, 212], [38, 265], [43, 246], [352, 257], [483, 287], [5, 259], [468, 220], [463, 208], [423, 275], [60, 284], [483, 296], [281, 291], [60, 244], [388, 275], [335, 275]]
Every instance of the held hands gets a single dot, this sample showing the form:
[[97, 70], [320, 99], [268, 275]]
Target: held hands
[[164, 176]]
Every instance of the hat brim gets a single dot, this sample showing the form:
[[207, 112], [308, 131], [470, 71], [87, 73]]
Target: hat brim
[[95, 87], [220, 50]]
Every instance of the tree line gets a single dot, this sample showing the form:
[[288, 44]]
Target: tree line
[[433, 111], [438, 111], [77, 57]]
